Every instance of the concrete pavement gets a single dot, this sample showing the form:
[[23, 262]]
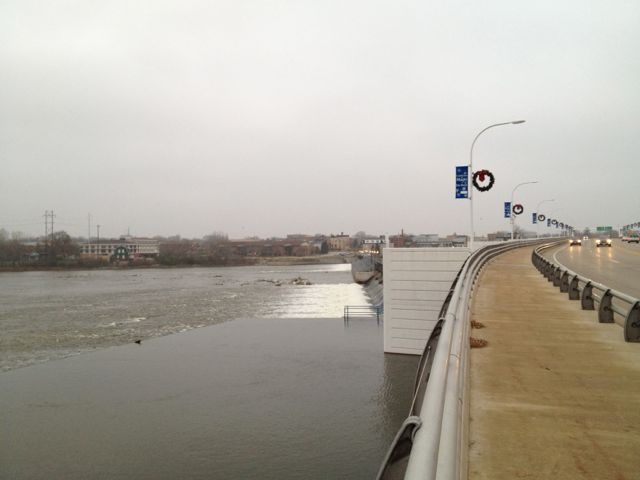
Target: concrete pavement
[[554, 394]]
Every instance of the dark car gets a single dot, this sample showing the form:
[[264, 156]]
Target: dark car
[[603, 242], [575, 241]]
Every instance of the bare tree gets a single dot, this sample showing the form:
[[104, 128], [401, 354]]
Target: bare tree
[[216, 237]]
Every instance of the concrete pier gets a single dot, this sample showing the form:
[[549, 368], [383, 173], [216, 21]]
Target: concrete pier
[[554, 394]]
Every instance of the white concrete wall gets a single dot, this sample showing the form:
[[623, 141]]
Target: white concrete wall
[[416, 283]]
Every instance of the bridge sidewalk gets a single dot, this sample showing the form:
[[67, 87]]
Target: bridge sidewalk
[[554, 394]]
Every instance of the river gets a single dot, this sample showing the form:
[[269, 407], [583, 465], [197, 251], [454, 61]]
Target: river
[[240, 374]]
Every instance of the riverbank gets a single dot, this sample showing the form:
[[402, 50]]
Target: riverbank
[[328, 259]]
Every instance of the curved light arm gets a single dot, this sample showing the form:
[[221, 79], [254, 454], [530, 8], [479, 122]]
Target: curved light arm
[[516, 187], [544, 201], [513, 218], [515, 122]]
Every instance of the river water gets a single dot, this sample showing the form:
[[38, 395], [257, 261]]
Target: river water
[[262, 379]]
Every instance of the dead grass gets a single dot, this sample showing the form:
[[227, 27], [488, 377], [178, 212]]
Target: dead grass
[[478, 342]]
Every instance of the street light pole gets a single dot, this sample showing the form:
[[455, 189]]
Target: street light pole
[[515, 122], [538, 212], [513, 217], [554, 211]]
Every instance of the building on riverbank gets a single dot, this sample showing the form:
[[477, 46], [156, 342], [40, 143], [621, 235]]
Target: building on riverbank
[[136, 247], [340, 242]]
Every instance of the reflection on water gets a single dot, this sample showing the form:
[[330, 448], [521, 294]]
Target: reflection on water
[[48, 315], [259, 397], [396, 392]]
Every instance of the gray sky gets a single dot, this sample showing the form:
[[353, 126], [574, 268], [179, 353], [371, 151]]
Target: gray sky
[[274, 117]]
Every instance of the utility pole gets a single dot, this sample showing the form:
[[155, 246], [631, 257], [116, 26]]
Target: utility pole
[[52, 215], [46, 230], [48, 214]]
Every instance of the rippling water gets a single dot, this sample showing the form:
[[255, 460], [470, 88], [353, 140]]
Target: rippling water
[[49, 315], [278, 386]]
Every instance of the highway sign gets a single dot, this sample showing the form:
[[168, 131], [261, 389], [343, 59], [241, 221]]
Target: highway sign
[[462, 182], [507, 209], [603, 229]]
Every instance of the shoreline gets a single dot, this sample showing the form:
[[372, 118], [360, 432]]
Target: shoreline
[[255, 261]]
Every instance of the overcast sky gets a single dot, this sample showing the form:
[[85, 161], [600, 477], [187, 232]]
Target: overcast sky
[[274, 117]]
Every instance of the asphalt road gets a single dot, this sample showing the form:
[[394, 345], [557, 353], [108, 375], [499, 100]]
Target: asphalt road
[[617, 267]]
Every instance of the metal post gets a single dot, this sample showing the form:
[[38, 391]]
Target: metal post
[[538, 213], [605, 312], [515, 122], [632, 324], [513, 216]]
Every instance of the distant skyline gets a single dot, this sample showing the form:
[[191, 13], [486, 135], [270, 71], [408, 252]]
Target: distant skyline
[[268, 118]]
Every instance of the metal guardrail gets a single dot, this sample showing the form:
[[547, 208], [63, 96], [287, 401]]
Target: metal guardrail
[[363, 311], [432, 444], [590, 293]]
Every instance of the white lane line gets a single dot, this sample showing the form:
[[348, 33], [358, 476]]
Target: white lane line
[[556, 253]]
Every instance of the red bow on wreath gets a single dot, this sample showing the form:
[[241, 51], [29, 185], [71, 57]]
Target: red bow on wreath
[[481, 175]]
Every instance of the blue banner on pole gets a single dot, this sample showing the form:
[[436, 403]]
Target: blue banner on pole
[[462, 182], [507, 209], [535, 217]]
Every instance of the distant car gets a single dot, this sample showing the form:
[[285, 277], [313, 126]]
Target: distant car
[[575, 241], [603, 242], [585, 238], [625, 238], [633, 239]]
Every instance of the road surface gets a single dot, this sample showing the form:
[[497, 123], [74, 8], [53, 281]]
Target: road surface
[[617, 267], [554, 394]]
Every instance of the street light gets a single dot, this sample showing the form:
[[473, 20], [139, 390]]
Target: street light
[[538, 211], [515, 122], [554, 211], [513, 217]]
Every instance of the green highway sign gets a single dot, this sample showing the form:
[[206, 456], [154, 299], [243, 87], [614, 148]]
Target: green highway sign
[[604, 229]]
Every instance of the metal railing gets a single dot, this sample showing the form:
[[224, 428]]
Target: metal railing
[[363, 311], [611, 304], [433, 441]]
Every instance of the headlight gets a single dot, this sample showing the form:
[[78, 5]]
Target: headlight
[[579, 241], [598, 242], [608, 241]]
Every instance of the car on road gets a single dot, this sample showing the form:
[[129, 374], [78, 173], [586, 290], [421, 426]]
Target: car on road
[[575, 241], [631, 238], [603, 242], [585, 238]]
